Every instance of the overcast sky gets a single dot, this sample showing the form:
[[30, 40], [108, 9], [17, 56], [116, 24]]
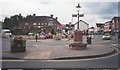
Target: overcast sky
[[95, 10]]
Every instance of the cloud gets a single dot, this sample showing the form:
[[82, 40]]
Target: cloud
[[100, 11], [45, 2], [102, 7], [63, 9]]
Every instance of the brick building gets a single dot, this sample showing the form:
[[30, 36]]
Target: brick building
[[100, 28], [37, 24], [107, 26], [115, 24]]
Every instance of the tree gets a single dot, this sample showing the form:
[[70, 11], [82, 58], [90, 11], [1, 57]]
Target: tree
[[6, 23], [10, 23]]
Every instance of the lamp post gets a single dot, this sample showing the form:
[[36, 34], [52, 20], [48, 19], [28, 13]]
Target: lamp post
[[78, 9], [78, 37]]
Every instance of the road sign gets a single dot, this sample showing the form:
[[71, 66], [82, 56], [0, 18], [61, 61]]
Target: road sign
[[81, 15], [74, 15]]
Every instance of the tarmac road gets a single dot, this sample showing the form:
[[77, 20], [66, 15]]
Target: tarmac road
[[105, 62]]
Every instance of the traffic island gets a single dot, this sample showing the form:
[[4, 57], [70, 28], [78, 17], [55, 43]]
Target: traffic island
[[92, 51], [18, 44], [77, 44]]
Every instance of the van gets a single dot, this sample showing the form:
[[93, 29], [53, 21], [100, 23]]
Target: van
[[6, 33]]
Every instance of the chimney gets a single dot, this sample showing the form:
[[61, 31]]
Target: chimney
[[34, 14], [56, 18], [51, 16]]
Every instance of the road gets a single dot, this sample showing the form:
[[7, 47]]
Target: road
[[103, 62]]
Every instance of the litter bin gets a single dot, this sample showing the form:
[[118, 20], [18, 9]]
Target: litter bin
[[89, 40], [18, 44]]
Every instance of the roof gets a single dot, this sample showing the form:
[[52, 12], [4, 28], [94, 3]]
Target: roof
[[81, 21], [37, 19], [99, 24], [116, 18]]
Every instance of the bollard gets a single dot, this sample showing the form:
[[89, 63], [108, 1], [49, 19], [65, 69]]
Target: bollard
[[89, 40]]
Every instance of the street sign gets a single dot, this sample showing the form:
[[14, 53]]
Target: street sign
[[81, 15], [74, 15]]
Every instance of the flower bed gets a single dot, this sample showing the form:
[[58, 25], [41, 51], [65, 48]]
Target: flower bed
[[18, 44]]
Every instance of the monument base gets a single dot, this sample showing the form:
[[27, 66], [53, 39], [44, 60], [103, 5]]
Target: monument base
[[78, 46]]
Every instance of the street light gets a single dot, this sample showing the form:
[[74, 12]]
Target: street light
[[78, 37], [78, 10]]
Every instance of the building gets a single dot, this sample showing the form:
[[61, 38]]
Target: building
[[100, 28], [37, 24], [1, 25], [0, 28], [115, 25], [83, 26], [91, 30], [107, 26]]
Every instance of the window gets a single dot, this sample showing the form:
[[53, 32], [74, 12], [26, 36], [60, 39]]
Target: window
[[34, 23], [113, 21], [38, 23], [46, 23], [41, 23]]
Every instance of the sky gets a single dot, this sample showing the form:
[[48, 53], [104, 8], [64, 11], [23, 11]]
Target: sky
[[95, 11]]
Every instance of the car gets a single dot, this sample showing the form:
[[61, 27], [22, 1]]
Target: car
[[49, 36], [6, 33], [106, 36]]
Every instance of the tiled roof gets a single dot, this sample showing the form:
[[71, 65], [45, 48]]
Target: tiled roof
[[38, 19]]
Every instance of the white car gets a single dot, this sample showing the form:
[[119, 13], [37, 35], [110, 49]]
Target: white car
[[106, 36], [6, 33]]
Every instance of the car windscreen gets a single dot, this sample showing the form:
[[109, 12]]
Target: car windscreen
[[106, 34], [7, 32]]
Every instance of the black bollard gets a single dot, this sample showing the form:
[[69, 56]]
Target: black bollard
[[89, 40]]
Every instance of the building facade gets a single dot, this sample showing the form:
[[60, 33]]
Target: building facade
[[115, 25], [107, 26], [83, 26], [100, 28], [37, 24]]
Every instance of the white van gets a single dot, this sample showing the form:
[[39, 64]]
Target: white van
[[6, 33]]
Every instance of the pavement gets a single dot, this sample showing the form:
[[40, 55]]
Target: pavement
[[52, 49]]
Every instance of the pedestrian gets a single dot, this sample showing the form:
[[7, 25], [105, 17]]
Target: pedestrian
[[36, 37]]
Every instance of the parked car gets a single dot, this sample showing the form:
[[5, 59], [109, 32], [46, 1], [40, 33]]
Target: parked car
[[49, 36], [42, 36], [6, 33], [106, 36]]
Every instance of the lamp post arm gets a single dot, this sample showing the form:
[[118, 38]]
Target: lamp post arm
[[78, 20]]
